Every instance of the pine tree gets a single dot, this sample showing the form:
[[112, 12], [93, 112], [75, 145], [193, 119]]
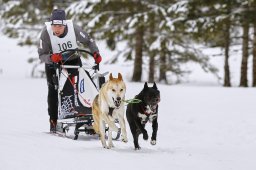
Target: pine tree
[[253, 10], [254, 57], [245, 46], [218, 21]]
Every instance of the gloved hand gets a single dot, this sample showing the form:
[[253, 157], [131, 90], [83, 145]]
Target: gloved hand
[[97, 57], [57, 57]]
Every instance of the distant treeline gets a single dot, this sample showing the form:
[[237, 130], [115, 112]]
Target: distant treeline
[[160, 35]]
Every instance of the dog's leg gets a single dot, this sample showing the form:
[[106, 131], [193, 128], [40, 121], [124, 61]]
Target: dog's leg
[[110, 123], [142, 128], [135, 134], [154, 133], [110, 143], [113, 126], [136, 140], [102, 133], [123, 129]]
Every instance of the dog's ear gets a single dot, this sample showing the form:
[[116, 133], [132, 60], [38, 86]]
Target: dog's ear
[[120, 78], [110, 76], [145, 86], [154, 86]]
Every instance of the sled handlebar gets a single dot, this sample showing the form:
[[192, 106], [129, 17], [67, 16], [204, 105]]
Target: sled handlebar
[[74, 66], [95, 67], [77, 50]]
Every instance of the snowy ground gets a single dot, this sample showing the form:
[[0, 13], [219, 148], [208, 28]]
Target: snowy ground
[[200, 127]]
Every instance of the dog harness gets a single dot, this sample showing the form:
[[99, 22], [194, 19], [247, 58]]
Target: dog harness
[[148, 110], [111, 109], [148, 114]]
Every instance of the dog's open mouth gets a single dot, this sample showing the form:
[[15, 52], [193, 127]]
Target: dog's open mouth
[[117, 102], [155, 101], [153, 107]]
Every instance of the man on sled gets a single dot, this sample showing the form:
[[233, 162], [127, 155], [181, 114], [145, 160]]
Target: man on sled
[[59, 35]]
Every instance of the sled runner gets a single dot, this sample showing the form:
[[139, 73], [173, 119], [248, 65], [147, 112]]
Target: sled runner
[[77, 85]]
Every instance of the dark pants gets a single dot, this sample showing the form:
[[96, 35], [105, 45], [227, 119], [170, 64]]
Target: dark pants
[[52, 98]]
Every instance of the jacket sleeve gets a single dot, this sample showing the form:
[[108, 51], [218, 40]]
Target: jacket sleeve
[[44, 47], [85, 39]]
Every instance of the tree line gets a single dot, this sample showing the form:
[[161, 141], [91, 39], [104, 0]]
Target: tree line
[[160, 35]]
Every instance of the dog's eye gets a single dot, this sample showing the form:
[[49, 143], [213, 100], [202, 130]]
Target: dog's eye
[[121, 90], [113, 90]]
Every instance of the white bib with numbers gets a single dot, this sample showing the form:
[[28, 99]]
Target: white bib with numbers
[[61, 44]]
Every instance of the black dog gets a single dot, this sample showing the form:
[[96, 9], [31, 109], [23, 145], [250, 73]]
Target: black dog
[[138, 114]]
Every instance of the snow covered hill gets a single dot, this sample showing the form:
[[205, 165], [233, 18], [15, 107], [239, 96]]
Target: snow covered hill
[[200, 127]]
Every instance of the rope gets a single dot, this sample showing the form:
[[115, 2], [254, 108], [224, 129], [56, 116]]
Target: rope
[[132, 101]]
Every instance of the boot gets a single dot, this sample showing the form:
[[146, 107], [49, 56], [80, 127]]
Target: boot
[[53, 124]]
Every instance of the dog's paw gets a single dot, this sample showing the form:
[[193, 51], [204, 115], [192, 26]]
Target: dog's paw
[[124, 139], [153, 142], [145, 135], [137, 148], [110, 145]]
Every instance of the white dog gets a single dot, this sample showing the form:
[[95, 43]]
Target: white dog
[[108, 106]]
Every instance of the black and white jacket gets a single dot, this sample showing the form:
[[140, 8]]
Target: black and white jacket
[[50, 44]]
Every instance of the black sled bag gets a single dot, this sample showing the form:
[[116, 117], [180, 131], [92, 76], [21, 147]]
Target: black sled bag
[[77, 92]]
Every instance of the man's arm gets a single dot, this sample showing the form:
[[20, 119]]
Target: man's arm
[[85, 39], [44, 48]]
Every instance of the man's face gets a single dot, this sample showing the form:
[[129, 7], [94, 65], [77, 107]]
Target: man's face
[[58, 29]]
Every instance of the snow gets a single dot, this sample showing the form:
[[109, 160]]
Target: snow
[[201, 127]]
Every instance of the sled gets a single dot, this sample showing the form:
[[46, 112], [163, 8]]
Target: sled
[[77, 85]]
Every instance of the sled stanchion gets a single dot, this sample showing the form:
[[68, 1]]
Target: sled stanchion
[[96, 67]]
